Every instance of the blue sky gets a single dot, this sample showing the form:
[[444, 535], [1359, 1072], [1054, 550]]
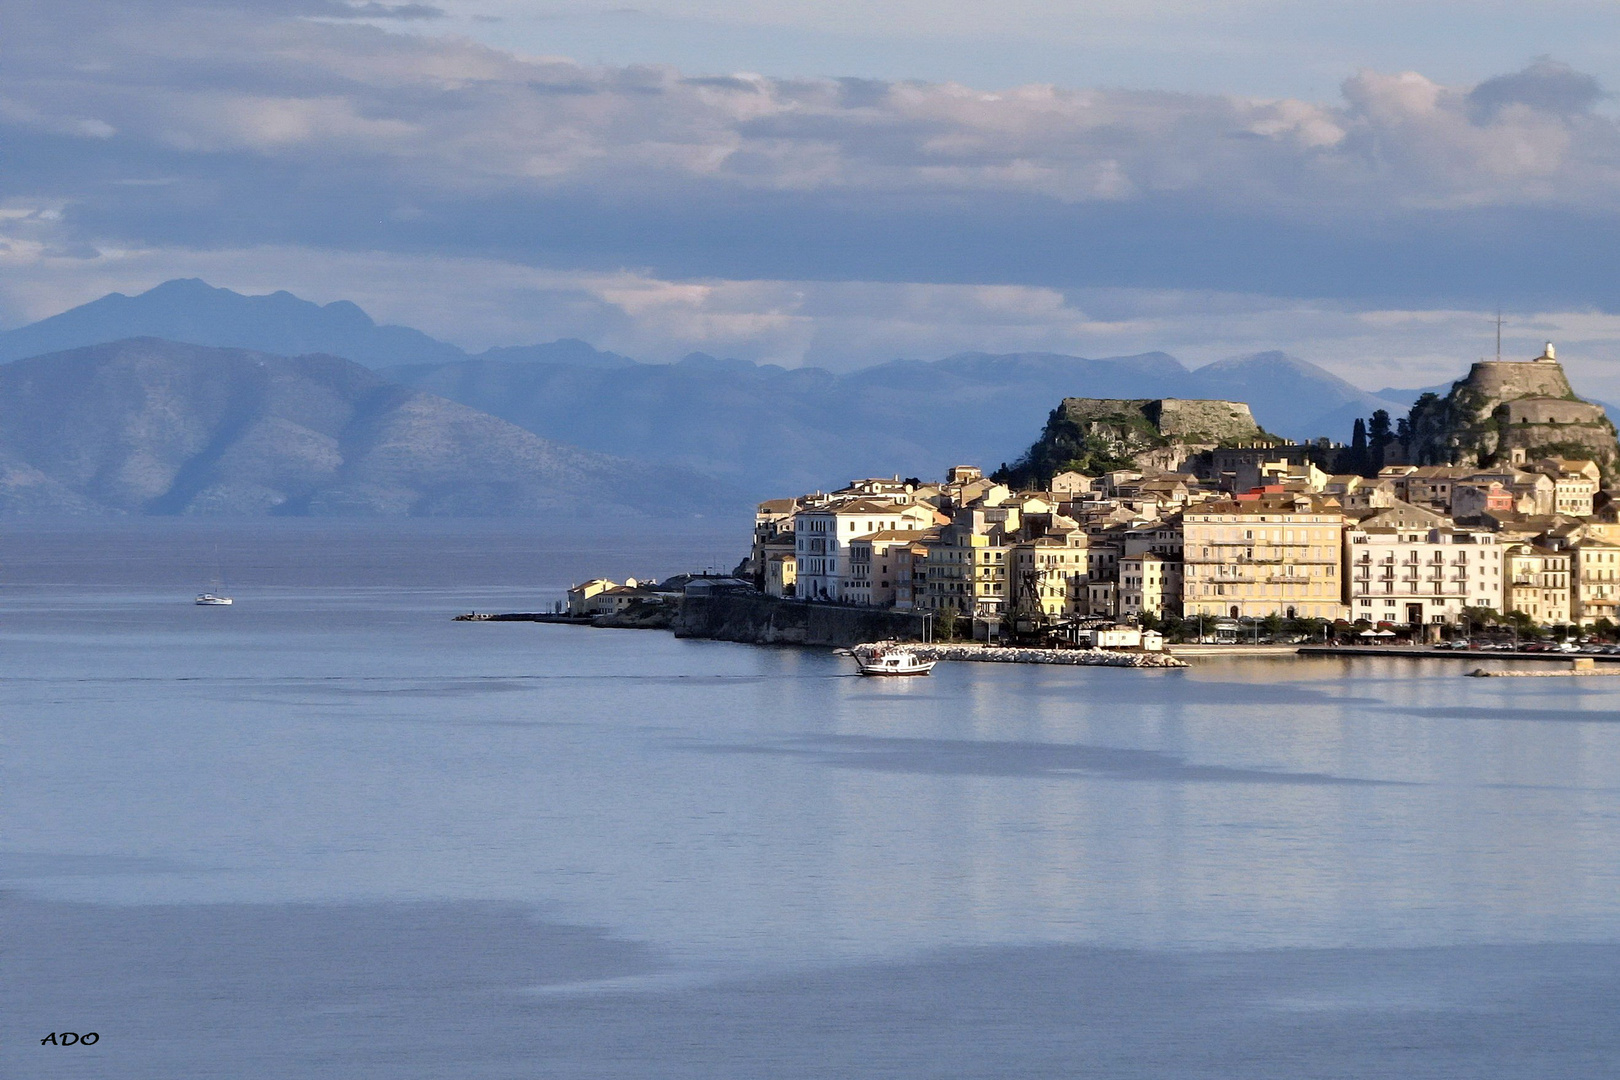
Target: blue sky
[[839, 182]]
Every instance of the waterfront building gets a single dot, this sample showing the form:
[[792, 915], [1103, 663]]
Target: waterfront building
[[1270, 556], [781, 571], [875, 564], [1048, 576], [822, 535], [1538, 583], [581, 598], [911, 572], [1150, 569], [1421, 577], [1150, 585], [967, 568], [1596, 566]]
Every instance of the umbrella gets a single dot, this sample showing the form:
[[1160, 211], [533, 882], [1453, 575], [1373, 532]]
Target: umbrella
[[1368, 633], [1386, 633]]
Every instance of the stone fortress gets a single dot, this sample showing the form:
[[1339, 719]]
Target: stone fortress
[[1506, 412], [1156, 433]]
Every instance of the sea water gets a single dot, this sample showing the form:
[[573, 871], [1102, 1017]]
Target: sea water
[[328, 831]]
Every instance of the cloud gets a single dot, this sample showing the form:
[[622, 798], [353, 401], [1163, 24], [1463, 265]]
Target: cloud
[[789, 219], [1545, 86]]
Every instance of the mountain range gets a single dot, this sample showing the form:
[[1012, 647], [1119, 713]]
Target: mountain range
[[194, 312], [152, 426], [781, 430], [758, 430]]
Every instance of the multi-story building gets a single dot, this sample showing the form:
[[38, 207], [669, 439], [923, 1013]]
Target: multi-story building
[[773, 528], [875, 565], [1596, 566], [1269, 556], [1048, 576], [1149, 585], [1103, 552], [822, 534], [967, 568], [1421, 576], [911, 572], [780, 571], [1573, 494], [1537, 583], [1150, 569]]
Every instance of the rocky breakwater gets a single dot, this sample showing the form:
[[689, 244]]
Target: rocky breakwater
[[996, 654]]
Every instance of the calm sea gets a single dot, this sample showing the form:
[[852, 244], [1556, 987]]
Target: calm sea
[[329, 832]]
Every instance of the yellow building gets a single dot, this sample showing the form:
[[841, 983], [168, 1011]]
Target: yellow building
[[1597, 580], [781, 572], [586, 599], [1048, 576], [1268, 556], [967, 568], [1149, 584], [1538, 581]]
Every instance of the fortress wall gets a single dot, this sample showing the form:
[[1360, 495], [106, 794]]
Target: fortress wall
[[1220, 419], [1541, 410], [1504, 380], [1172, 417]]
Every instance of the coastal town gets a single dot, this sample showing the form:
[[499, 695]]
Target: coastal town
[[1206, 529]]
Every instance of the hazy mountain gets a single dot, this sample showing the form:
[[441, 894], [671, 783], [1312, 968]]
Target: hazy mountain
[[772, 429], [1289, 396], [195, 312], [151, 426], [765, 427], [570, 351]]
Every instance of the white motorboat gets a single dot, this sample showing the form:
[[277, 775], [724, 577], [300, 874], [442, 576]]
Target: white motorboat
[[208, 599], [892, 660]]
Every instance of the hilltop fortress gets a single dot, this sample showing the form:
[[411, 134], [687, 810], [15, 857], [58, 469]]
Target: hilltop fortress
[[1093, 435], [1506, 412]]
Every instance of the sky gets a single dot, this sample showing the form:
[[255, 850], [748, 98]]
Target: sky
[[838, 182]]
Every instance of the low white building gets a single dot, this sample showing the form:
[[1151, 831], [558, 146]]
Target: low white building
[[1124, 637]]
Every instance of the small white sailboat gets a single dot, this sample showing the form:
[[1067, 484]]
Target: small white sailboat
[[209, 599], [891, 660]]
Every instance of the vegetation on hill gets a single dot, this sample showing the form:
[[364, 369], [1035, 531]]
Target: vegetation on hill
[[1097, 435]]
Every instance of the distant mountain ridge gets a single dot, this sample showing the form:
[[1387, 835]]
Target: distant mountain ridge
[[157, 427], [768, 429], [776, 429], [192, 311]]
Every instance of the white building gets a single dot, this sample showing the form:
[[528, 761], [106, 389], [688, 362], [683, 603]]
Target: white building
[[821, 537], [1421, 576]]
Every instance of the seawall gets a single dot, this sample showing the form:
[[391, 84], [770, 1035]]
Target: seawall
[[766, 620]]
